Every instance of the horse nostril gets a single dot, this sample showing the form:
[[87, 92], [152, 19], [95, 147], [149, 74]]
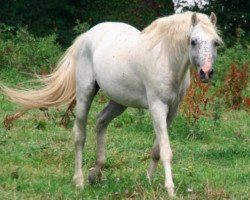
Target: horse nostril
[[202, 74], [210, 73]]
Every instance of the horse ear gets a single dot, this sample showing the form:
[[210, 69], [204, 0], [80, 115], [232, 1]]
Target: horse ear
[[213, 18], [194, 20]]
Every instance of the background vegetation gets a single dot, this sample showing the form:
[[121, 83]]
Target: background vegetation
[[60, 16], [210, 137], [46, 17]]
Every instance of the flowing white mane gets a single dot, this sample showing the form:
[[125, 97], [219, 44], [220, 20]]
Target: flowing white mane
[[176, 28]]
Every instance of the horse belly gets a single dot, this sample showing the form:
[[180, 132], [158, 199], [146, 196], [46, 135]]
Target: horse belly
[[122, 88]]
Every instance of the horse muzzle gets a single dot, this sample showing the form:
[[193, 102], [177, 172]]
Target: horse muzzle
[[206, 75]]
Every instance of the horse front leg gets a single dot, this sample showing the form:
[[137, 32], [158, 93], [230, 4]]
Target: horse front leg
[[159, 112]]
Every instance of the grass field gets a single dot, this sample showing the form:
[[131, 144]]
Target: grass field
[[211, 160]]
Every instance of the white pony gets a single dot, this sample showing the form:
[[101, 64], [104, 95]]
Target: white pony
[[148, 69]]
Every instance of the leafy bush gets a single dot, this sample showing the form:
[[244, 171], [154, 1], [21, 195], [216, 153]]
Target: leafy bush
[[196, 99], [239, 54], [236, 81], [20, 49], [80, 27]]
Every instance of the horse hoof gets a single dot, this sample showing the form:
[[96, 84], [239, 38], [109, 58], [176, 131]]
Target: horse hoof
[[78, 179], [171, 192], [94, 175]]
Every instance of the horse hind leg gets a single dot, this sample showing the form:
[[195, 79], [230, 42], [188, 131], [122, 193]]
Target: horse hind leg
[[111, 111], [82, 109], [86, 89]]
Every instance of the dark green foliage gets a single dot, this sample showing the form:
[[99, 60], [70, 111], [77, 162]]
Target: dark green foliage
[[80, 27], [237, 54], [41, 17], [46, 17], [232, 17], [67, 18]]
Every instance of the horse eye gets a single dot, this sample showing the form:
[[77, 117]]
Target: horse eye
[[216, 43], [193, 43]]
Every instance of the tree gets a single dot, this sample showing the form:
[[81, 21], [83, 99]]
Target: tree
[[60, 16], [232, 15]]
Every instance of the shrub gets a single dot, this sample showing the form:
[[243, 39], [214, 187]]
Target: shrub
[[235, 84], [80, 27], [196, 99], [28, 54], [239, 54], [194, 108]]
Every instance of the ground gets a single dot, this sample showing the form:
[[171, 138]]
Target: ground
[[211, 160]]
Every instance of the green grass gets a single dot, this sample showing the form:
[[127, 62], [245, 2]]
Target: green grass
[[37, 156]]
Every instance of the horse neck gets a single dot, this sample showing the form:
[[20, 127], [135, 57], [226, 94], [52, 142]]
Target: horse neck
[[174, 57], [179, 62]]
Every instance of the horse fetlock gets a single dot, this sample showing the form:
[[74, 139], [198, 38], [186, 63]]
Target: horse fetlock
[[171, 193], [95, 175]]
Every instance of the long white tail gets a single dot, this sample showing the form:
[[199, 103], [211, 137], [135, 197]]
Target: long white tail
[[59, 86]]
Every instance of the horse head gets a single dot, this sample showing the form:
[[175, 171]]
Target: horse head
[[203, 41]]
